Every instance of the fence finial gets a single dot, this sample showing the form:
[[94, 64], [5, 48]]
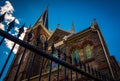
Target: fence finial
[[29, 36], [2, 17], [46, 44], [38, 40], [53, 48], [21, 30], [11, 25]]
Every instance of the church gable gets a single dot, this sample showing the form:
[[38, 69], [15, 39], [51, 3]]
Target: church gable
[[58, 36], [86, 47], [39, 30]]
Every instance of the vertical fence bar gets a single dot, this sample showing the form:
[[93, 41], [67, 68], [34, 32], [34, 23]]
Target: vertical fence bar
[[2, 17], [88, 68], [49, 76], [19, 65], [38, 40], [42, 60], [80, 64], [58, 64], [70, 70], [31, 64], [102, 77], [76, 76], [21, 30], [99, 75], [9, 55], [105, 79], [96, 73], [92, 71], [84, 67], [2, 41], [65, 67], [41, 66]]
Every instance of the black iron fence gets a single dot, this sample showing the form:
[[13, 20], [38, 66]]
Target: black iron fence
[[83, 72]]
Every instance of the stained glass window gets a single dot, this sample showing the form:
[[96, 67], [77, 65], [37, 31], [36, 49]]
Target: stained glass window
[[87, 51], [76, 56]]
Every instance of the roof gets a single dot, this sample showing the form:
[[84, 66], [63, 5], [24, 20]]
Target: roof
[[79, 33], [39, 25], [58, 35]]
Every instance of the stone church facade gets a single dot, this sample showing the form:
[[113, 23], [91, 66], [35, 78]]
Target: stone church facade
[[87, 46]]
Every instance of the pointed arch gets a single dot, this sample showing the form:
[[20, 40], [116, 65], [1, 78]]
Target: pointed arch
[[75, 56], [87, 51]]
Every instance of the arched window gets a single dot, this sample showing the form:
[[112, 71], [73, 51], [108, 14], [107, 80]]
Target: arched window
[[76, 57], [87, 51]]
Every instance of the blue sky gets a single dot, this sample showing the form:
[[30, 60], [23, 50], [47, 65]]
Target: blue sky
[[82, 12], [63, 12]]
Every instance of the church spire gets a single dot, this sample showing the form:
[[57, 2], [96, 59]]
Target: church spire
[[44, 18], [94, 23], [72, 30]]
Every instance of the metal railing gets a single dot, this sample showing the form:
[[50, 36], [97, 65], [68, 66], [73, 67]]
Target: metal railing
[[85, 71]]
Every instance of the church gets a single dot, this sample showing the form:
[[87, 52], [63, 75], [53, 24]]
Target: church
[[87, 46]]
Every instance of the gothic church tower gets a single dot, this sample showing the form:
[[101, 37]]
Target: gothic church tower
[[39, 29]]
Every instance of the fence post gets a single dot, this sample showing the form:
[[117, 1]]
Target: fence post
[[84, 67], [2, 17], [89, 69], [76, 72], [53, 49], [42, 60], [70, 70], [1, 20], [65, 67], [80, 63], [59, 50]]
